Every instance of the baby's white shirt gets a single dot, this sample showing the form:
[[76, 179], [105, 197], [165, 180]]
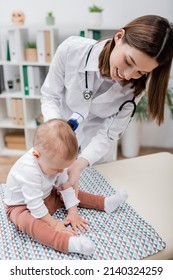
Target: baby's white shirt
[[27, 184]]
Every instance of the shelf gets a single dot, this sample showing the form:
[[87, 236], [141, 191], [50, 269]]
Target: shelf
[[21, 104], [35, 63], [12, 152], [7, 123], [32, 96], [5, 62], [10, 63], [8, 94]]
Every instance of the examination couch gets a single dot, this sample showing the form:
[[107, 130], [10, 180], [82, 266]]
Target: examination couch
[[149, 183]]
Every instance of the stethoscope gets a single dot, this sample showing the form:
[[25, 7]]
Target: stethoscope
[[115, 117], [87, 93], [76, 118]]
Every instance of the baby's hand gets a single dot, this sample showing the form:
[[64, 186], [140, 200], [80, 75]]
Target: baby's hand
[[76, 221], [60, 226]]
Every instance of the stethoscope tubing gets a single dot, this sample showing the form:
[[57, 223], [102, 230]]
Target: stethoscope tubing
[[132, 101], [129, 101]]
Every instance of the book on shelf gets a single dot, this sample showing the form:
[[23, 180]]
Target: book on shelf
[[17, 39], [2, 84], [96, 34], [47, 43], [20, 113], [17, 113], [13, 46], [25, 79], [33, 79], [82, 33], [43, 41], [14, 111], [93, 34], [39, 76], [8, 57], [40, 46], [15, 140], [15, 146]]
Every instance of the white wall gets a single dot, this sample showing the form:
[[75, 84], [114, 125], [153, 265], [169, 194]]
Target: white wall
[[74, 13], [72, 16], [153, 135]]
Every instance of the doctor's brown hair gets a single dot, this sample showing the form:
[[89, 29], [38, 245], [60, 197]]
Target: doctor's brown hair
[[56, 137], [152, 35]]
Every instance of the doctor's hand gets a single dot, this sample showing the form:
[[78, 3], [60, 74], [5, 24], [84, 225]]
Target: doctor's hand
[[74, 172]]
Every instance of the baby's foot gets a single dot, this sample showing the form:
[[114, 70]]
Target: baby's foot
[[112, 202], [81, 245]]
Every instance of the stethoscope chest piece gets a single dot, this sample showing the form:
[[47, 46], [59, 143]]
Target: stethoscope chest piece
[[87, 94]]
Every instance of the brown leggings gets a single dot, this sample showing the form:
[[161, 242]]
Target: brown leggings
[[40, 230]]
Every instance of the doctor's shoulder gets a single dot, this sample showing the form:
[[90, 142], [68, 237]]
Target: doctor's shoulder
[[76, 43]]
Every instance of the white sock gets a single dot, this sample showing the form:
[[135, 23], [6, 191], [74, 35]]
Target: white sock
[[81, 245], [112, 202]]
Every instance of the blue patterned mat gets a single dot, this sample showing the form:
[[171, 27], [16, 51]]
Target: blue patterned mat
[[122, 235]]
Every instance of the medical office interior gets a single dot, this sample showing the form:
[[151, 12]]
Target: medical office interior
[[20, 111]]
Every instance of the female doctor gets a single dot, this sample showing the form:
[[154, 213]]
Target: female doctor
[[98, 84]]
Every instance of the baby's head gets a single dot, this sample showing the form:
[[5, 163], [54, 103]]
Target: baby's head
[[55, 146]]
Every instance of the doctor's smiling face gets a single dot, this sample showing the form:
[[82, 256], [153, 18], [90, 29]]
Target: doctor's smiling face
[[127, 62]]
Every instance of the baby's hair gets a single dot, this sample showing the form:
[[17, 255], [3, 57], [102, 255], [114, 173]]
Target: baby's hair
[[56, 136]]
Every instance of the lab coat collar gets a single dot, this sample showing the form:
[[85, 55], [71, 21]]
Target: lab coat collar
[[92, 64]]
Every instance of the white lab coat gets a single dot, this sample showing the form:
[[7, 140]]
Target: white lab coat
[[62, 95]]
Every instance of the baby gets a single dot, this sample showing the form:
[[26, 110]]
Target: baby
[[32, 195]]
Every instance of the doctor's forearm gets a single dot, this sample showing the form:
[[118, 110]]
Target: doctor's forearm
[[74, 171], [81, 163], [95, 151], [49, 106]]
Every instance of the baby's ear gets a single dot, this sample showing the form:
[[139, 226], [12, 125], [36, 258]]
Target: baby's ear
[[36, 153]]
